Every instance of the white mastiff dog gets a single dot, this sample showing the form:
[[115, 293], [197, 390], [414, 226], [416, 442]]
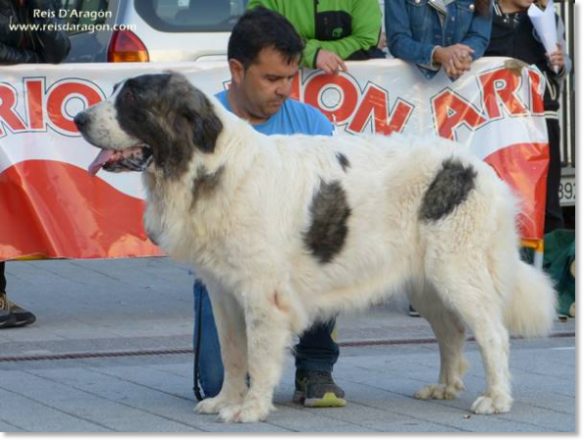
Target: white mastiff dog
[[284, 230]]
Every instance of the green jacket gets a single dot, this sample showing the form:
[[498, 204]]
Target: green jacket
[[348, 28]]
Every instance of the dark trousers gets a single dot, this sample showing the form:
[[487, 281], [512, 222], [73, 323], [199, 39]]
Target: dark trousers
[[2, 277], [317, 350], [554, 218]]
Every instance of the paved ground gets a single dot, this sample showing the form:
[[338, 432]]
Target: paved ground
[[110, 352]]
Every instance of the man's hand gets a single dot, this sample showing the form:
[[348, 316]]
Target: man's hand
[[556, 58], [329, 62], [455, 59]]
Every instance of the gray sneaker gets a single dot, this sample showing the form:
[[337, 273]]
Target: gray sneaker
[[12, 315], [317, 389], [7, 319]]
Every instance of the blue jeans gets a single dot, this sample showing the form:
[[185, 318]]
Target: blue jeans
[[316, 351]]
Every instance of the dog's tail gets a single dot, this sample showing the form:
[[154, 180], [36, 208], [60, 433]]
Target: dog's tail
[[531, 310]]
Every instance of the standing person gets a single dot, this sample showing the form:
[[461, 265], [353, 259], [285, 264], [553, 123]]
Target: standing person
[[27, 46], [436, 34], [333, 30], [264, 52], [513, 35]]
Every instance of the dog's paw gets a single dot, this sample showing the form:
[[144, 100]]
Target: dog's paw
[[210, 406], [253, 413], [495, 404], [230, 414], [440, 392], [246, 413]]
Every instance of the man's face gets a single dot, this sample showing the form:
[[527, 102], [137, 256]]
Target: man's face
[[262, 89]]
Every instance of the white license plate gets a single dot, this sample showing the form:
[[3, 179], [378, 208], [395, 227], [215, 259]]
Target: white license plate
[[567, 191]]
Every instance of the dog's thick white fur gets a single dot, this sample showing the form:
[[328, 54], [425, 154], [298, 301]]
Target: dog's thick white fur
[[249, 234]]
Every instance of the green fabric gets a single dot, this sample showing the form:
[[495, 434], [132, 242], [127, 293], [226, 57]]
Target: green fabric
[[559, 255], [366, 24]]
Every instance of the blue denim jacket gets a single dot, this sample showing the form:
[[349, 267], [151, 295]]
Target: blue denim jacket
[[414, 29]]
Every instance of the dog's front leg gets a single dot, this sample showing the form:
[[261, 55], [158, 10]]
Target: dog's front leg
[[229, 319], [268, 334]]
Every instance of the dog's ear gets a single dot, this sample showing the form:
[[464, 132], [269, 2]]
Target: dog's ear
[[205, 124], [206, 130]]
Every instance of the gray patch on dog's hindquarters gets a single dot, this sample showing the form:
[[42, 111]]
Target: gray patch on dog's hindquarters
[[343, 160], [329, 222], [449, 188]]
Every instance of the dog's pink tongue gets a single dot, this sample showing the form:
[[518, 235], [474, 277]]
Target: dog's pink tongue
[[103, 157]]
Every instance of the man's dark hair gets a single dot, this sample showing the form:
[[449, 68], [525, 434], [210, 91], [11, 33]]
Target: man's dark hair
[[261, 28]]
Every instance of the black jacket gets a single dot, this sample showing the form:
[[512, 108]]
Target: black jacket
[[30, 45], [513, 35]]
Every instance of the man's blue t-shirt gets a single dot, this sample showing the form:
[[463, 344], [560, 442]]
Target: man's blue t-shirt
[[293, 118]]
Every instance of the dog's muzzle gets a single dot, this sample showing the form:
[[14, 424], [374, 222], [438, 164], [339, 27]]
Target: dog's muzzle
[[135, 158]]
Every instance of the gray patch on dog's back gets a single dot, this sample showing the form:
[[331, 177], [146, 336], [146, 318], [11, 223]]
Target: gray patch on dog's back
[[329, 222], [205, 183], [449, 188], [343, 160]]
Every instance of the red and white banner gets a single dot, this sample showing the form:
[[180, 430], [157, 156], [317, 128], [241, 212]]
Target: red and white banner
[[51, 207]]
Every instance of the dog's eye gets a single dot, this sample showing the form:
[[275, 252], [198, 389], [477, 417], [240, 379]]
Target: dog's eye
[[128, 96]]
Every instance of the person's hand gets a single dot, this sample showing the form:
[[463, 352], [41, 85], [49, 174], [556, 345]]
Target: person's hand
[[329, 62], [556, 58], [455, 59], [459, 64]]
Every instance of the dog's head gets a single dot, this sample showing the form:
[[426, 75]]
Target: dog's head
[[161, 119]]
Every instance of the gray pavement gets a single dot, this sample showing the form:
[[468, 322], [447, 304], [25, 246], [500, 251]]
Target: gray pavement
[[111, 352]]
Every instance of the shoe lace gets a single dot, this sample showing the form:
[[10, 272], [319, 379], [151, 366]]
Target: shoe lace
[[3, 301]]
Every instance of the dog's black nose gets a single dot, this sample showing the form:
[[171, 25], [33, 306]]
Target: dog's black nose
[[81, 120]]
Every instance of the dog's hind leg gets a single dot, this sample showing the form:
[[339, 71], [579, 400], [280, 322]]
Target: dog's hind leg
[[229, 318], [466, 286], [268, 334], [449, 330]]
